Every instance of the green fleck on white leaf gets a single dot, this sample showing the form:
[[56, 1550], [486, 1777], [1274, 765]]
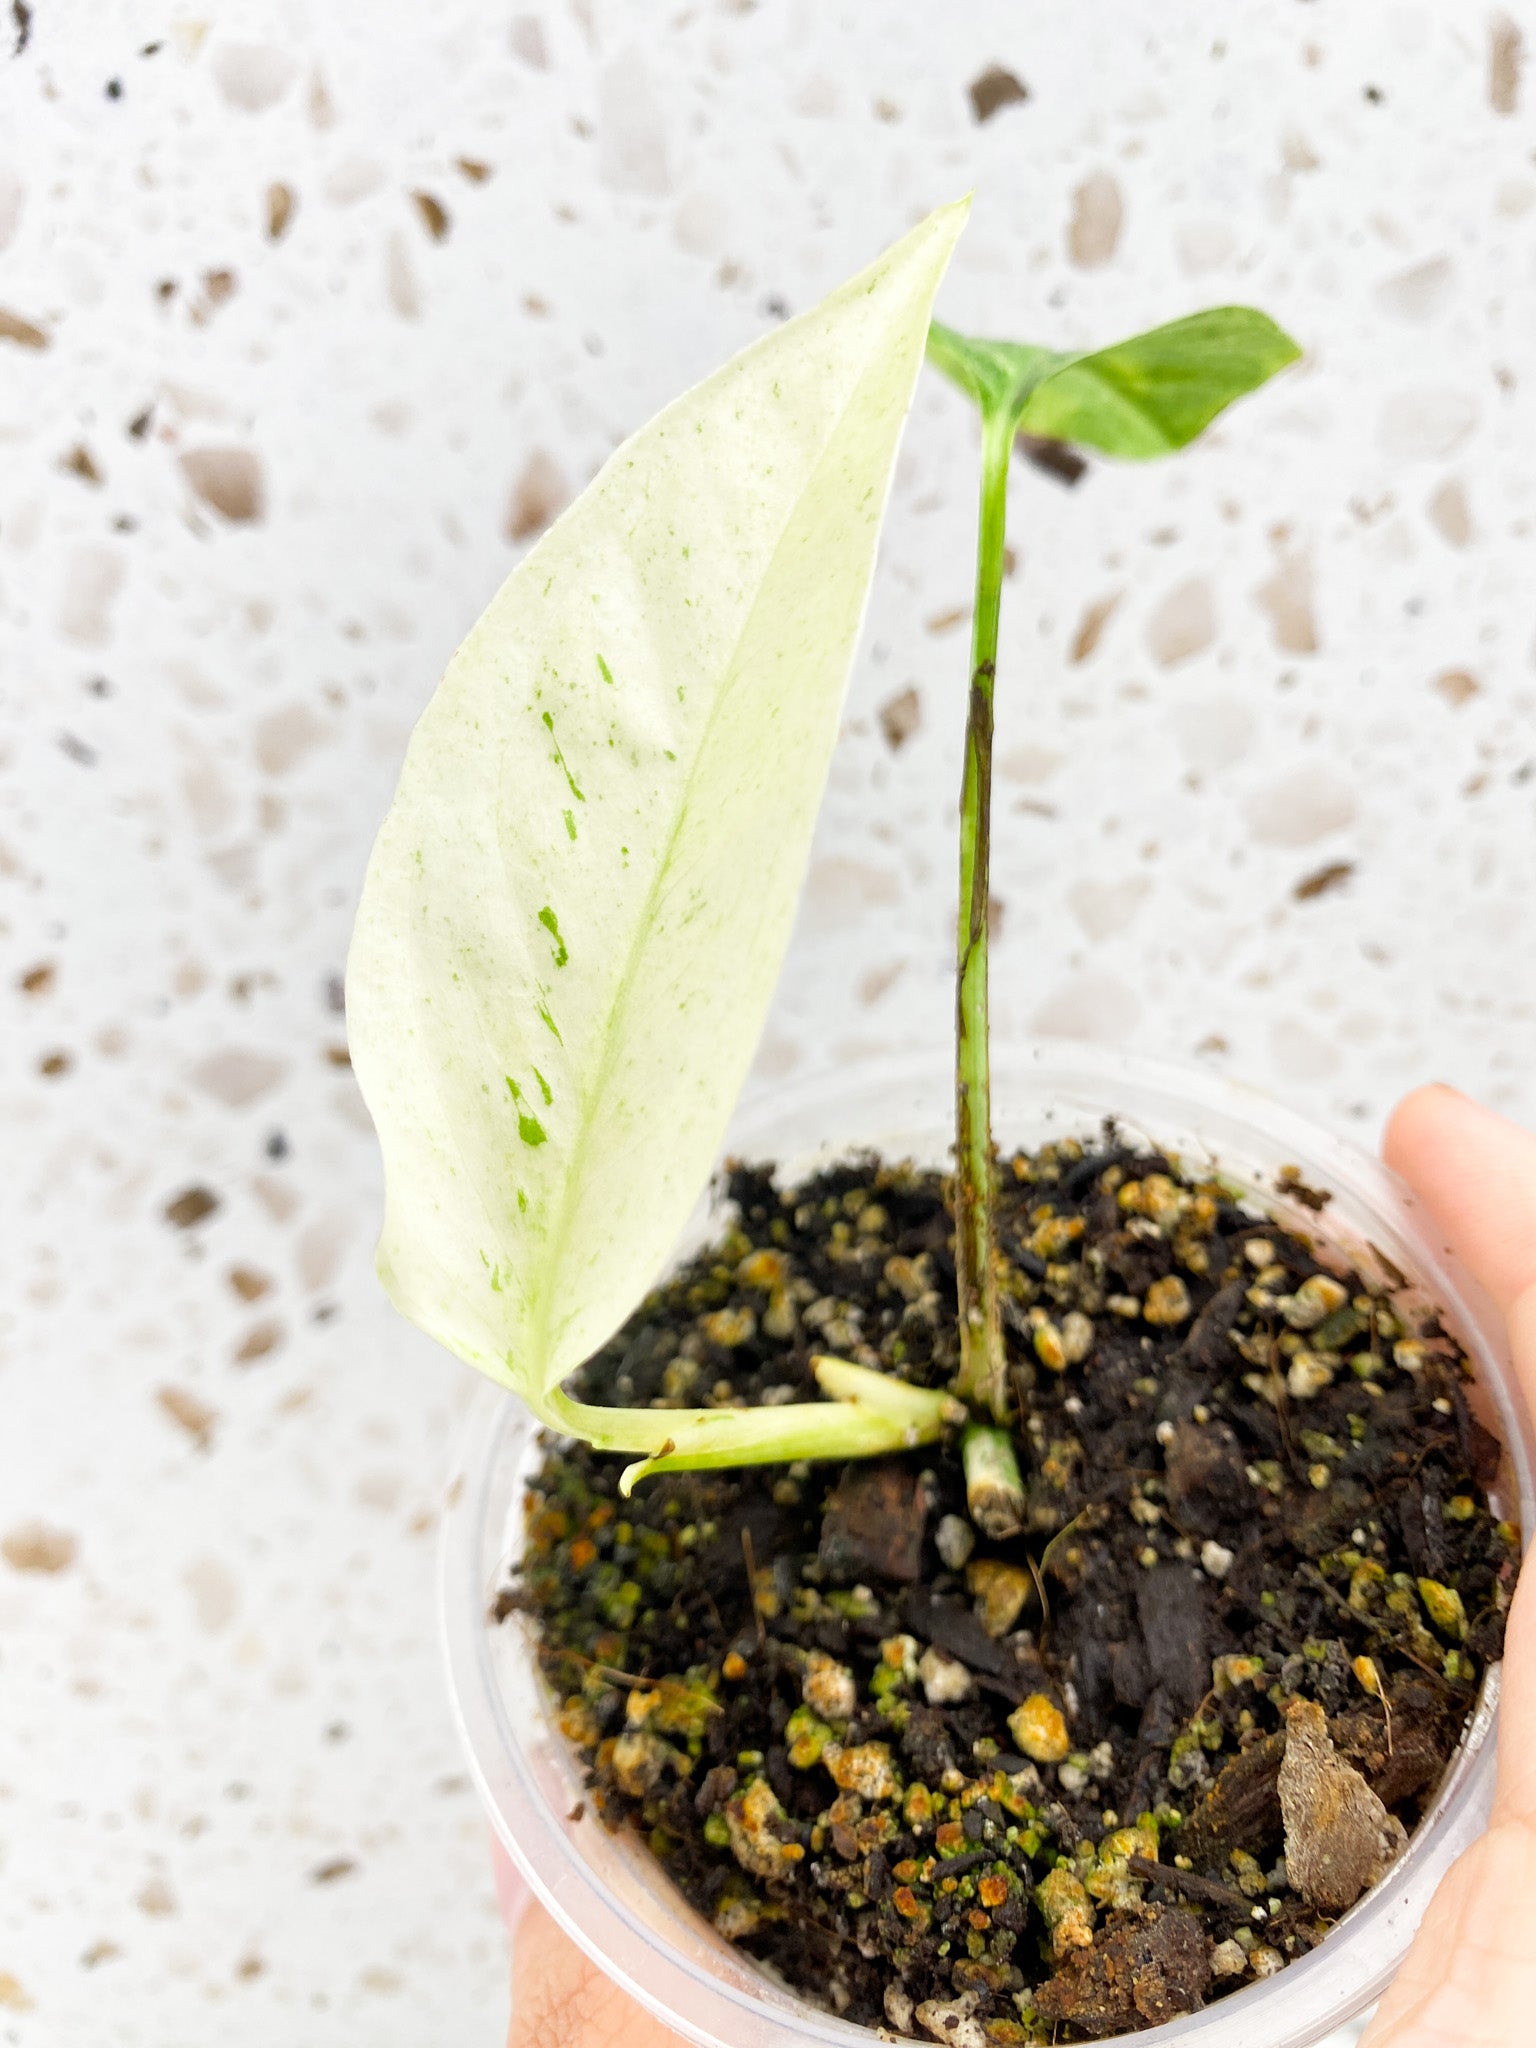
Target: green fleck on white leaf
[[529, 1129], [575, 787], [551, 924]]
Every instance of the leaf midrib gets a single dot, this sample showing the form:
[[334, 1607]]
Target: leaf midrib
[[638, 944]]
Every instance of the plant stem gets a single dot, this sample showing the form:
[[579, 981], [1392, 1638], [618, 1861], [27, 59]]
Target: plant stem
[[994, 1492], [983, 1375]]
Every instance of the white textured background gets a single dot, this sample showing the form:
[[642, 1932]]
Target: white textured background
[[230, 1804]]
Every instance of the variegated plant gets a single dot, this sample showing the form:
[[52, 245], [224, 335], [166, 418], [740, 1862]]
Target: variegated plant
[[576, 909]]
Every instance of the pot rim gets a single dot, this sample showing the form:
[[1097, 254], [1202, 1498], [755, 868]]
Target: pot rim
[[712, 1995]]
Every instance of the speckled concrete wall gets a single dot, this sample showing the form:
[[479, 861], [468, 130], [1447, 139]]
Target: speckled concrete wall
[[310, 317]]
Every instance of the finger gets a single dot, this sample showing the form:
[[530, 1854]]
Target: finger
[[1515, 1798], [560, 2000], [1470, 1977], [1476, 1174]]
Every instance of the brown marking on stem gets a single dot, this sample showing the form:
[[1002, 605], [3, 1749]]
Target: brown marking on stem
[[983, 1375]]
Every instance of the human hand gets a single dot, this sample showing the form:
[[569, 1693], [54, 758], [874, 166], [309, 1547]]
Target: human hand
[[1470, 1976]]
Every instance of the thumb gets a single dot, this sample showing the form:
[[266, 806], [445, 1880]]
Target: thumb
[[1470, 1976], [1476, 1174]]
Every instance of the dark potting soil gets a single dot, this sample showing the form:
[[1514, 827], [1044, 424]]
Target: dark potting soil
[[1076, 1783]]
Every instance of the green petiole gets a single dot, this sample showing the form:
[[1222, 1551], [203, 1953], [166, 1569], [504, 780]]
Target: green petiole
[[868, 1413]]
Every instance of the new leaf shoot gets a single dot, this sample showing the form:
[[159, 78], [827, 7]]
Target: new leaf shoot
[[1144, 397]]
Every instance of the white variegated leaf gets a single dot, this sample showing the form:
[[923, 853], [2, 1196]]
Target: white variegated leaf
[[578, 903]]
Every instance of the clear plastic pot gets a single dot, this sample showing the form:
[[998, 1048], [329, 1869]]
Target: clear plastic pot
[[606, 1891]]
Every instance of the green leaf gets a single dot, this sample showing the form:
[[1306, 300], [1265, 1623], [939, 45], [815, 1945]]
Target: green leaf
[[575, 913], [1147, 396], [1154, 393]]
